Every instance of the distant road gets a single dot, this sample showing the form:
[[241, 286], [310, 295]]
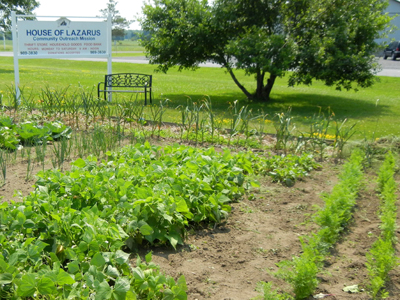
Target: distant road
[[390, 68]]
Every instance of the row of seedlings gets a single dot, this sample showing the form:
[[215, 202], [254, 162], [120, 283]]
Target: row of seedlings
[[301, 271], [381, 258]]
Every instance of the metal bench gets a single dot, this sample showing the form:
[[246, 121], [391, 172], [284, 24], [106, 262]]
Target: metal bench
[[124, 82]]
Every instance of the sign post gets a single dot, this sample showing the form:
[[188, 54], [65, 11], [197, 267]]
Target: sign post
[[62, 38]]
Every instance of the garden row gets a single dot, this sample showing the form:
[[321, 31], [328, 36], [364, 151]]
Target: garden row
[[71, 237], [301, 272], [97, 141], [197, 120], [381, 258]]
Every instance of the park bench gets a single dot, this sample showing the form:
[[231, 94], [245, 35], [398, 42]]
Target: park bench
[[126, 83]]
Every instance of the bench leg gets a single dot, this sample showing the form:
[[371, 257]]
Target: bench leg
[[151, 100]]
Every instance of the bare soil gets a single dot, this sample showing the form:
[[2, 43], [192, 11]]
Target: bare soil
[[226, 261]]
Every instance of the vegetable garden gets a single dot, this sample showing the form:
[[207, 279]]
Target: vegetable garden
[[127, 206]]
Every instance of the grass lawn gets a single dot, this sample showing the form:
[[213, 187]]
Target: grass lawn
[[360, 107]]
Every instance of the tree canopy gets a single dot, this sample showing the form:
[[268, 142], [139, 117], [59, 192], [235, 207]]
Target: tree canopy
[[20, 6], [118, 23], [332, 41]]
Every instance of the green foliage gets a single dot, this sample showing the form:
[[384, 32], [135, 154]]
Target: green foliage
[[8, 138], [19, 6], [337, 48], [154, 192], [30, 133], [306, 269], [328, 41], [58, 130], [67, 239], [285, 168]]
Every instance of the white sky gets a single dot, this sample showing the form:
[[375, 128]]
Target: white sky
[[128, 9]]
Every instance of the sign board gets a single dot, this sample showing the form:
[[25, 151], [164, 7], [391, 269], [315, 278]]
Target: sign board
[[61, 38]]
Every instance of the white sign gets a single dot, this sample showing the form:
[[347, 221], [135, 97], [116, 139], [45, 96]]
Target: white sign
[[61, 38]]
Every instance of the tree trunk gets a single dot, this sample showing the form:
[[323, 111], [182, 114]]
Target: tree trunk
[[263, 92], [248, 95]]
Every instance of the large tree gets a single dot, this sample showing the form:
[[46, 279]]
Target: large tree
[[332, 41], [118, 23], [20, 6]]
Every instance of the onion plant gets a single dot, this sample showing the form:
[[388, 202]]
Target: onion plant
[[3, 165], [284, 130]]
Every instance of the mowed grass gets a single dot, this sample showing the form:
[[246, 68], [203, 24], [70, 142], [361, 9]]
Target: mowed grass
[[373, 117]]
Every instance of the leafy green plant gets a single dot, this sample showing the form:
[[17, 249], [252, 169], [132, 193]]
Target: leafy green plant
[[58, 130], [286, 169], [57, 247], [31, 133], [8, 138], [184, 180], [6, 121]]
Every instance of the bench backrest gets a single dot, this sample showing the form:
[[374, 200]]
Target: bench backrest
[[128, 80]]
